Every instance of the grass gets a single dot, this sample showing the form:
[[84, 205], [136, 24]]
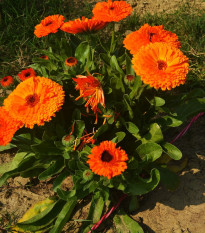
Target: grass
[[18, 45]]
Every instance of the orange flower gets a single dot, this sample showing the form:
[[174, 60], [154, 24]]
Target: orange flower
[[71, 61], [161, 65], [82, 26], [44, 57], [8, 127], [35, 101], [107, 160], [25, 74], [146, 35], [6, 81], [91, 90], [111, 11], [50, 24]]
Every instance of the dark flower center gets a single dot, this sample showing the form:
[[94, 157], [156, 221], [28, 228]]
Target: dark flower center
[[5, 79], [87, 173], [162, 65], [48, 23], [27, 74], [32, 100], [71, 60], [106, 156], [111, 8]]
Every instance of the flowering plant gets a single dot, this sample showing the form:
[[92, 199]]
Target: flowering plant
[[78, 107]]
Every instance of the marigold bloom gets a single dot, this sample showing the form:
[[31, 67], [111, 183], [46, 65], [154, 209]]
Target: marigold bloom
[[71, 61], [83, 26], [6, 81], [50, 24], [148, 34], [111, 11], [161, 65], [107, 160], [44, 57], [91, 90], [27, 73], [8, 127], [35, 101]]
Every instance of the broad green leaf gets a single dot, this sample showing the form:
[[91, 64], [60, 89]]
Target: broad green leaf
[[54, 168], [155, 134], [46, 148], [79, 128], [114, 64], [158, 101], [132, 128], [101, 130], [172, 151], [137, 88], [134, 204], [105, 58], [141, 186], [95, 211], [44, 219], [7, 147], [170, 121], [64, 215], [119, 137], [117, 84], [125, 224], [149, 151], [41, 206], [58, 181], [82, 51], [129, 68]]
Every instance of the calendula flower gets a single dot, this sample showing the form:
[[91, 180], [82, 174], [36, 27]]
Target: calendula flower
[[50, 24], [44, 57], [25, 74], [161, 65], [8, 127], [83, 26], [6, 81], [148, 34], [71, 61], [91, 90], [107, 160], [35, 101], [111, 10]]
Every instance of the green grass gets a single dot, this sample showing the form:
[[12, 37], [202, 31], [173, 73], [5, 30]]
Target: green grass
[[18, 45]]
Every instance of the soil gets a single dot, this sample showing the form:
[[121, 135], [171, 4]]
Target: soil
[[160, 211]]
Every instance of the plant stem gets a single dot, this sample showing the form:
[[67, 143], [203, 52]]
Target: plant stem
[[113, 38]]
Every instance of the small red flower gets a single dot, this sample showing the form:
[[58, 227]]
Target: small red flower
[[44, 57], [71, 61], [6, 81], [28, 73]]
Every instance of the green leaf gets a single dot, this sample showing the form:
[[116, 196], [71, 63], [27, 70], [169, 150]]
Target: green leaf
[[129, 68], [46, 148], [170, 121], [125, 224], [95, 211], [172, 151], [82, 51], [101, 130], [79, 128], [54, 168], [168, 178], [155, 134], [126, 100], [114, 64], [132, 128], [141, 186], [119, 137], [137, 88], [58, 181], [43, 219], [149, 151], [158, 102], [64, 215], [7, 147]]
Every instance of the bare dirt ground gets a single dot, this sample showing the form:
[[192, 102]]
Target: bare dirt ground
[[161, 211]]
